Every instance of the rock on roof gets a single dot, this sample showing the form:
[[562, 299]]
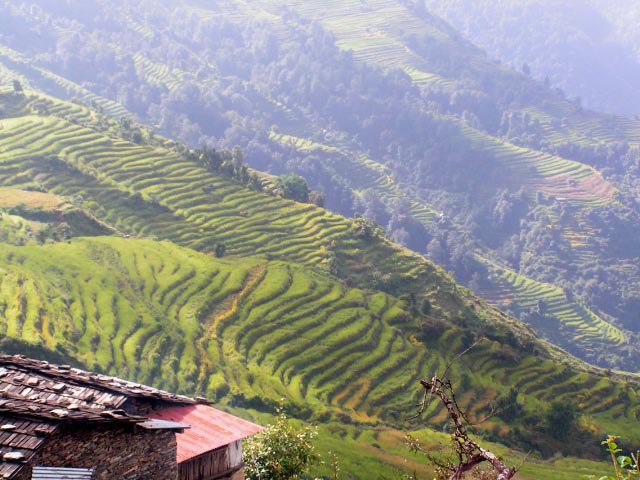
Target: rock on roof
[[19, 440], [86, 388]]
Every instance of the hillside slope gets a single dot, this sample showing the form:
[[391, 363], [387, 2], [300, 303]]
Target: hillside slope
[[218, 309], [589, 49], [392, 114]]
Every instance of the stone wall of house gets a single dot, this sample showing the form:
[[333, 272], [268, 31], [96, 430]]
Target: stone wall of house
[[114, 452]]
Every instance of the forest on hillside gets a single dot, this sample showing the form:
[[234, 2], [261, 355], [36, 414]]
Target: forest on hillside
[[590, 49]]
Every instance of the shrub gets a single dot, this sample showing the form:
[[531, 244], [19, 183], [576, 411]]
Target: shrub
[[561, 419], [625, 467], [280, 451], [293, 187]]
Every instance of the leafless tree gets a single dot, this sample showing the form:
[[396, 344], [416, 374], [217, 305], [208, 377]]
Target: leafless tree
[[468, 453]]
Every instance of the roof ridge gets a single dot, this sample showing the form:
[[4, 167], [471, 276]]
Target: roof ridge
[[108, 383], [18, 406]]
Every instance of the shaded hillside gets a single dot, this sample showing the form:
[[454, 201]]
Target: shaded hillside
[[589, 49]]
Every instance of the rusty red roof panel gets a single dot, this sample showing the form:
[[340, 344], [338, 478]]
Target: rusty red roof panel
[[210, 428]]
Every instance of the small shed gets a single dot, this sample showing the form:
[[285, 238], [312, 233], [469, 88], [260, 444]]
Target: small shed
[[212, 448]]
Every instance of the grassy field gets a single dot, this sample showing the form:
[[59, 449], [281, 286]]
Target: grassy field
[[382, 453], [11, 197]]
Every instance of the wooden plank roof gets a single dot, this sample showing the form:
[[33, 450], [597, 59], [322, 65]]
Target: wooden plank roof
[[19, 439], [88, 387], [37, 397]]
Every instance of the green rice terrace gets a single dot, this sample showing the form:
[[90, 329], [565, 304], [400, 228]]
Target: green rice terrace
[[295, 309], [250, 331], [381, 33], [565, 322]]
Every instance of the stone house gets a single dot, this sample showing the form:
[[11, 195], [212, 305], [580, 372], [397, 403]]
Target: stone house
[[62, 422]]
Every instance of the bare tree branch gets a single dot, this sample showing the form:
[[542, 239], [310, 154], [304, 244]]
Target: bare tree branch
[[426, 399], [470, 454]]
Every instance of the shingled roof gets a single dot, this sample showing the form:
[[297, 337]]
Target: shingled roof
[[20, 438], [57, 382], [37, 397]]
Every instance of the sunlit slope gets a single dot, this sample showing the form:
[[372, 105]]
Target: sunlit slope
[[173, 317], [251, 330], [150, 190], [179, 199]]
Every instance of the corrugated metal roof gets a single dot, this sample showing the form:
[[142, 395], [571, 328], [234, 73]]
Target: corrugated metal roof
[[49, 473], [210, 429]]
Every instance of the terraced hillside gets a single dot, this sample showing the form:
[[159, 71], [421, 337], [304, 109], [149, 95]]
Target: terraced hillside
[[579, 184], [67, 153], [250, 331], [550, 311], [582, 331], [385, 34], [16, 66], [259, 324], [173, 317], [189, 205], [148, 190], [455, 81]]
